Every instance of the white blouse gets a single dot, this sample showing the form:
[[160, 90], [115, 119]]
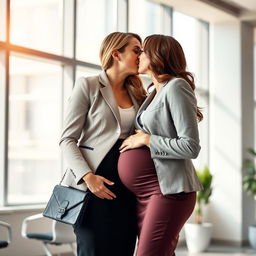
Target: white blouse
[[127, 116]]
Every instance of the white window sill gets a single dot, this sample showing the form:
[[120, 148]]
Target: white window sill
[[21, 208]]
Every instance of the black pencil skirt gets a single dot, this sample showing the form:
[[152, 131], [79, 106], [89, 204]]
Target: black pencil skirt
[[108, 227]]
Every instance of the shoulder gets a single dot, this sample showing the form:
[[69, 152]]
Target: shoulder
[[178, 84], [179, 91], [178, 87], [89, 83]]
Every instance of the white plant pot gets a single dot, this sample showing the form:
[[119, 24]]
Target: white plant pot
[[198, 236], [252, 236]]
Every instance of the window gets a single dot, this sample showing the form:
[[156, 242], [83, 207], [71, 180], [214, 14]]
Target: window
[[147, 17], [37, 74], [37, 24], [2, 125], [2, 20], [34, 127], [193, 37], [86, 71], [95, 19], [51, 44]]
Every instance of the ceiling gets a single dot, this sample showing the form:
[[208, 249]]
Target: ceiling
[[249, 5], [242, 9]]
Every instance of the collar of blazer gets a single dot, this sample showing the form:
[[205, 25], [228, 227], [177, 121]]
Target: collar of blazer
[[107, 94], [144, 105]]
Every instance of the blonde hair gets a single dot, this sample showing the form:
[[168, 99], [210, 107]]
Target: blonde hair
[[119, 41]]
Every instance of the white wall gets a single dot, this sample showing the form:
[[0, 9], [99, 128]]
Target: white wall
[[231, 99]]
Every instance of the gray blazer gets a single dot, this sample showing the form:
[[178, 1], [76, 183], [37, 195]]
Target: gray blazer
[[170, 117], [91, 127]]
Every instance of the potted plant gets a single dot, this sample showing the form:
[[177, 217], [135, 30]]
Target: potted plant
[[198, 234], [249, 185]]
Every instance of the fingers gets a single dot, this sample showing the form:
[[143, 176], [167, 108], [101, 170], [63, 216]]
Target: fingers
[[125, 142], [104, 193], [125, 147], [109, 182], [99, 189], [109, 193]]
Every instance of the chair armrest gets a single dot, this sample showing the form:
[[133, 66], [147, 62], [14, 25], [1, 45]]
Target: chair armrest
[[9, 231], [25, 222]]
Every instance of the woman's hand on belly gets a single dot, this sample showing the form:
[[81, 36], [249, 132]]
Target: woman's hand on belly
[[95, 183], [137, 140]]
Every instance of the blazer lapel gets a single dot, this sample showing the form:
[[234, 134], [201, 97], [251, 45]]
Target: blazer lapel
[[144, 105], [108, 95]]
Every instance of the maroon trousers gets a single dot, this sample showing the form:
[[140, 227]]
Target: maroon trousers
[[159, 217]]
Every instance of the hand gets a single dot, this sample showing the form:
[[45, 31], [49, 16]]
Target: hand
[[95, 183], [137, 140]]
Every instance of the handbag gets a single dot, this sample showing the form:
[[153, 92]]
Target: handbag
[[66, 203]]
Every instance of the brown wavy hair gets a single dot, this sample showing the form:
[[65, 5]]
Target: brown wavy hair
[[167, 60], [119, 41]]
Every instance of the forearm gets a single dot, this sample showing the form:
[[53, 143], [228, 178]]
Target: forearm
[[75, 159], [176, 148]]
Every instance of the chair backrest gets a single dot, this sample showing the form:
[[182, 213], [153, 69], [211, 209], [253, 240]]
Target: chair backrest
[[5, 243], [63, 233]]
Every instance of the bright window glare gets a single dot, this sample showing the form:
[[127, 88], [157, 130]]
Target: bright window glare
[[33, 154], [2, 20], [147, 18], [184, 30], [85, 72], [37, 24], [95, 19], [40, 83]]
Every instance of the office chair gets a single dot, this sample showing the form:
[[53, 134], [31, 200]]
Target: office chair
[[60, 234], [5, 243]]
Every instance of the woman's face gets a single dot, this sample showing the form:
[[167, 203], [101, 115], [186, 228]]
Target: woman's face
[[130, 57], [144, 62]]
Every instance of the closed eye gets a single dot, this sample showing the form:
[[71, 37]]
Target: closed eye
[[137, 51]]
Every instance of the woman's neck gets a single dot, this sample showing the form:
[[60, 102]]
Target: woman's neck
[[156, 83], [116, 79]]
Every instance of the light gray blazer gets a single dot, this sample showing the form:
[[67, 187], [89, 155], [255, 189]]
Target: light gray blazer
[[91, 127], [170, 117]]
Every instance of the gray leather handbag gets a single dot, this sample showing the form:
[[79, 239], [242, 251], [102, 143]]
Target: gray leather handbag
[[66, 203]]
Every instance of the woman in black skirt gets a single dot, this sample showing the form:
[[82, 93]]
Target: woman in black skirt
[[100, 115]]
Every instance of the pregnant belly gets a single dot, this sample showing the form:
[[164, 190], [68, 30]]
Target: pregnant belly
[[137, 172]]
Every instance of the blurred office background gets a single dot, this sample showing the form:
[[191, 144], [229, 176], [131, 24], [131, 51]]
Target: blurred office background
[[46, 44]]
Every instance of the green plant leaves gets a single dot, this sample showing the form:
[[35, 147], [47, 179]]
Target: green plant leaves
[[205, 178], [203, 196], [249, 180]]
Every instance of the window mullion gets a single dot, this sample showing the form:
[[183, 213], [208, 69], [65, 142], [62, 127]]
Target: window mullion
[[4, 55]]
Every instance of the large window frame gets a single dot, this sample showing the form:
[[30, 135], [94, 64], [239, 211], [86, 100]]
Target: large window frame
[[201, 75], [69, 67]]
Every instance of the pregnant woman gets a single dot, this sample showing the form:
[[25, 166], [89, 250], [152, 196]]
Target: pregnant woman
[[155, 163]]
